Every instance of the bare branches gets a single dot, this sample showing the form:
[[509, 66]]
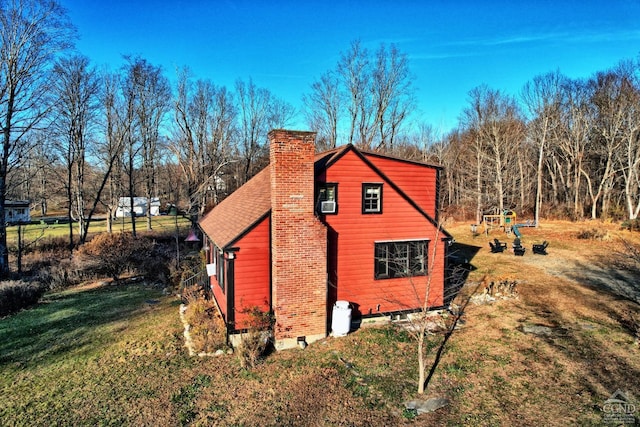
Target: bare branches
[[370, 94], [32, 33], [205, 118]]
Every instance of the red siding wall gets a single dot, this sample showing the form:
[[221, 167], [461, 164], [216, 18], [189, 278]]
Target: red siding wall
[[354, 234], [417, 181], [252, 277]]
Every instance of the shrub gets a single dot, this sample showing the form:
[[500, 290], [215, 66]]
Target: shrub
[[206, 326], [593, 234], [60, 275], [631, 224], [17, 294], [113, 254], [256, 342], [151, 260]]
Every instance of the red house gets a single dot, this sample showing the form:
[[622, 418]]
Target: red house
[[312, 229]]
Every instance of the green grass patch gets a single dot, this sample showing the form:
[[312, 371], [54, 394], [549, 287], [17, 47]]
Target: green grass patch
[[185, 398], [90, 356]]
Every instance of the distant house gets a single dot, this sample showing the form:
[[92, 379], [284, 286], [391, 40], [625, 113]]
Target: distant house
[[313, 229], [17, 212], [139, 206]]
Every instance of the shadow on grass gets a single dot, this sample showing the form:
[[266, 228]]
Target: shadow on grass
[[595, 349], [459, 257], [459, 266], [457, 314], [611, 275], [71, 322]]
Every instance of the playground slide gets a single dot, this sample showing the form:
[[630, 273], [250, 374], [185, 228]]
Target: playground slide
[[515, 230]]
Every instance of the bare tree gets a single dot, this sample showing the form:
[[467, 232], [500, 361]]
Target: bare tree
[[392, 93], [495, 121], [629, 155], [115, 132], [323, 108], [608, 100], [202, 142], [75, 89], [418, 262], [355, 69], [151, 95], [32, 33], [542, 98], [258, 112], [472, 118], [577, 119], [132, 143]]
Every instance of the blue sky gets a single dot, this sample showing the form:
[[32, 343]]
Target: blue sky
[[285, 45]]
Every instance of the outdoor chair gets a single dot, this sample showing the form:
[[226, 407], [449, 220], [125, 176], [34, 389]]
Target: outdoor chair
[[497, 246], [518, 249], [540, 249]]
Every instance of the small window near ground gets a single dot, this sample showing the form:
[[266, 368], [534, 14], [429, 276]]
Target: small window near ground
[[371, 198], [401, 259]]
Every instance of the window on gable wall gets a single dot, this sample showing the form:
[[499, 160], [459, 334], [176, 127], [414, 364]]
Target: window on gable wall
[[371, 198], [327, 198], [401, 259]]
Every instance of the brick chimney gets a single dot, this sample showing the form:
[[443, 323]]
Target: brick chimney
[[298, 242]]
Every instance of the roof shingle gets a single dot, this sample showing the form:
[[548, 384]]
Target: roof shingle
[[235, 214]]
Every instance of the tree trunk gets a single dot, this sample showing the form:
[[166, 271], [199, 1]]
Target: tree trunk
[[421, 363], [478, 188], [539, 184]]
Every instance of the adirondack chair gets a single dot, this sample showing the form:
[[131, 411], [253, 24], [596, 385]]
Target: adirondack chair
[[496, 246], [518, 249], [540, 249]]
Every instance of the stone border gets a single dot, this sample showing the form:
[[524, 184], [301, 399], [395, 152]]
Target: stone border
[[188, 342]]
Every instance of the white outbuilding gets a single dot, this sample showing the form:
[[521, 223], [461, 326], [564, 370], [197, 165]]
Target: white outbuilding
[[139, 206]]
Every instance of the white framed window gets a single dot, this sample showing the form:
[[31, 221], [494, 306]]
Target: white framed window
[[371, 198]]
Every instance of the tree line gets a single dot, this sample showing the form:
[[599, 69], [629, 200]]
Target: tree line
[[562, 147], [80, 138]]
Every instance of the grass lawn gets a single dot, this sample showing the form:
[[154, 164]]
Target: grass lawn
[[108, 354], [32, 232]]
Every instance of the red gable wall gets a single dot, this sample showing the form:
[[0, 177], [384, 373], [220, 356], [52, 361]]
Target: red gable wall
[[418, 181], [353, 236]]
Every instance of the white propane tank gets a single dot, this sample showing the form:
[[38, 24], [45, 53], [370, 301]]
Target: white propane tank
[[341, 319]]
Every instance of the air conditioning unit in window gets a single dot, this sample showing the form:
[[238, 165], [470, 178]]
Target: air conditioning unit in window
[[328, 206]]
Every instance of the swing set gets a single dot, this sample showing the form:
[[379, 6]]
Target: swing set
[[506, 220]]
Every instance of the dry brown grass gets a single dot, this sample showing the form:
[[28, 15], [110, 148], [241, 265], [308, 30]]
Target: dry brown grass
[[585, 293], [493, 372]]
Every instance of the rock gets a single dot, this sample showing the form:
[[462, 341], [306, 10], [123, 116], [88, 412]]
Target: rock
[[537, 330], [219, 352], [482, 299], [426, 406], [588, 327]]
